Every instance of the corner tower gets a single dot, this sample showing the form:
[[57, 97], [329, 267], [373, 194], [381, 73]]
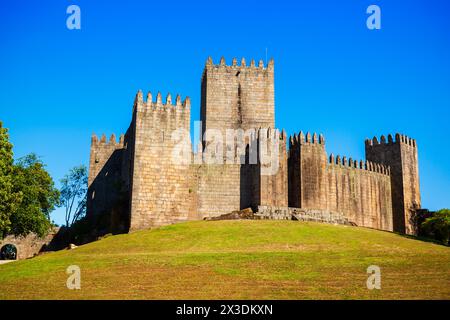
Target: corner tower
[[401, 156], [237, 96]]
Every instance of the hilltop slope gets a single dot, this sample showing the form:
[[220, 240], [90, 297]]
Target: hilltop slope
[[237, 260]]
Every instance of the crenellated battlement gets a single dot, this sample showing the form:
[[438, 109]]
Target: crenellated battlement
[[157, 105], [399, 138], [272, 138], [308, 139], [222, 66], [270, 133], [112, 142], [283, 135], [355, 164]]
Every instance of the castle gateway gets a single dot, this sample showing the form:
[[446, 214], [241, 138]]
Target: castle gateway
[[151, 177]]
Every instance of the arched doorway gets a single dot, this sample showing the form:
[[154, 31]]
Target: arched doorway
[[8, 252]]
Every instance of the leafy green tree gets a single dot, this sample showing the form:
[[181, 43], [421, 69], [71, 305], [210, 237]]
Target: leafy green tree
[[438, 225], [8, 199], [73, 197], [39, 197]]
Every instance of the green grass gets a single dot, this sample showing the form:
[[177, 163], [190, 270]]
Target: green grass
[[238, 260]]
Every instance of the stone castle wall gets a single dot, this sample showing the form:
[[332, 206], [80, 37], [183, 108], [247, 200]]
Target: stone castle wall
[[140, 184], [30, 245], [361, 191], [219, 189], [272, 170], [222, 188], [311, 215], [363, 194]]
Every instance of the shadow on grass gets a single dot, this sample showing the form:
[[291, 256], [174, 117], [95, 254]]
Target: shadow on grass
[[422, 238], [408, 236]]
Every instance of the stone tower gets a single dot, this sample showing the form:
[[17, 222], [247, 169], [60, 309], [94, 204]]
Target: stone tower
[[307, 177], [401, 156], [234, 97], [108, 182]]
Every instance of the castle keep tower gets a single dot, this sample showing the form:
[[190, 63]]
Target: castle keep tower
[[234, 97], [401, 156], [240, 97]]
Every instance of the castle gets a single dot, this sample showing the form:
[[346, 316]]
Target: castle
[[152, 176]]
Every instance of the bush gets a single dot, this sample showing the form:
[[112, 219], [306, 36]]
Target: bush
[[437, 226]]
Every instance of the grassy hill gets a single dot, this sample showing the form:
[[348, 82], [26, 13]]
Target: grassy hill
[[237, 260]]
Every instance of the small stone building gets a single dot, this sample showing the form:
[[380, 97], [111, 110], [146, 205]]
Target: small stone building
[[27, 246]]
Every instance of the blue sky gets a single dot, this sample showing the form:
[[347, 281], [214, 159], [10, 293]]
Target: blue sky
[[332, 74]]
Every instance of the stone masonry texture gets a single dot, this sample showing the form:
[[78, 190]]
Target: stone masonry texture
[[151, 177], [30, 245]]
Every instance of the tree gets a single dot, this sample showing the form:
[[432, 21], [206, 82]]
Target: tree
[[73, 197], [438, 226], [8, 199], [39, 197]]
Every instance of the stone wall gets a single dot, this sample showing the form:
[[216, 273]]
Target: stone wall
[[222, 188], [218, 189], [308, 176], [314, 215], [30, 245], [272, 173], [360, 191]]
